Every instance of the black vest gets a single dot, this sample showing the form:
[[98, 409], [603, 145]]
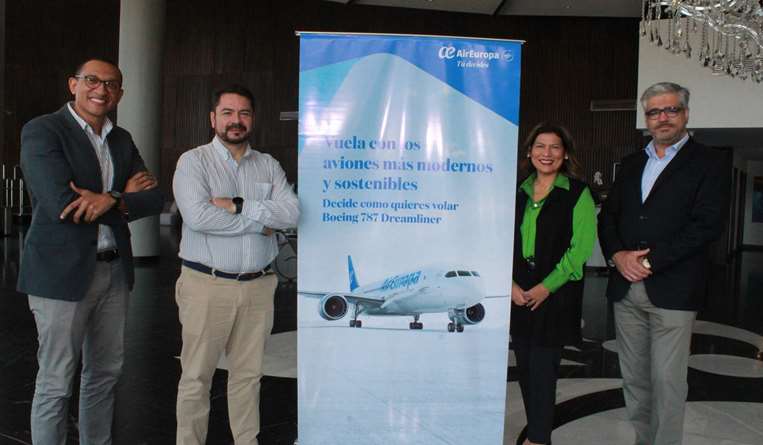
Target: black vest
[[556, 322]]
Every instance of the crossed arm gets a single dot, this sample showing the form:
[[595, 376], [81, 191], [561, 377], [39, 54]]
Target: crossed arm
[[89, 205], [49, 172], [216, 215]]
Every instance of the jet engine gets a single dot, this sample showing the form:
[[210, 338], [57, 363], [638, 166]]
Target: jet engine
[[333, 307], [472, 315]]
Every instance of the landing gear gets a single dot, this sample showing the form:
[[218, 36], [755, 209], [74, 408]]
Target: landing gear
[[456, 319], [355, 323], [455, 327], [415, 324]]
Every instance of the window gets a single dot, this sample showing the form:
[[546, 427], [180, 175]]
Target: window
[[464, 273], [450, 274]]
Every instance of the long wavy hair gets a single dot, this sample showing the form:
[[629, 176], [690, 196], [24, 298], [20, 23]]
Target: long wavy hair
[[570, 165]]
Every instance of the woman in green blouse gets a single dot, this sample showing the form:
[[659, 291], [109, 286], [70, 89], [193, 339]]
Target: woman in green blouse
[[554, 233]]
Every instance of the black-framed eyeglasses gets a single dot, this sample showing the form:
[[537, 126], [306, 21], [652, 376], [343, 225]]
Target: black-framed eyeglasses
[[94, 82], [671, 112]]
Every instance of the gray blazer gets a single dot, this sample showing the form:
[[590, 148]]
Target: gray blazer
[[58, 259]]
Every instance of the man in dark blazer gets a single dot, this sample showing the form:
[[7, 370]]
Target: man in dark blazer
[[664, 210], [86, 180]]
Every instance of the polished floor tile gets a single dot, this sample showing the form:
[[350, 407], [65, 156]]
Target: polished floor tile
[[706, 423]]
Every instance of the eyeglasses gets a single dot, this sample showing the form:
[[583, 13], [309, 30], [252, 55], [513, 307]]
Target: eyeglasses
[[671, 112], [94, 82]]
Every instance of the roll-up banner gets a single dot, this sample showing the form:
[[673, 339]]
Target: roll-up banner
[[407, 178]]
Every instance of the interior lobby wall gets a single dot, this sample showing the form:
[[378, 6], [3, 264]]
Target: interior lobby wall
[[567, 63], [753, 214]]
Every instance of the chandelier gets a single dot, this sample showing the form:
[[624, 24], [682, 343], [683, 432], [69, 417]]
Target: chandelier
[[729, 32]]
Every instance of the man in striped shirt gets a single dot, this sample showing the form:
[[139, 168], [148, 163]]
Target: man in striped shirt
[[231, 198]]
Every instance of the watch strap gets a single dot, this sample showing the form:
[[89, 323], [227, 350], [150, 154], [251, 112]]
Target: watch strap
[[239, 202]]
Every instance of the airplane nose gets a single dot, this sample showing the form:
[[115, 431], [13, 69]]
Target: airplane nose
[[472, 286]]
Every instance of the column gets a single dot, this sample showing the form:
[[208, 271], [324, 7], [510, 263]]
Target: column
[[141, 42]]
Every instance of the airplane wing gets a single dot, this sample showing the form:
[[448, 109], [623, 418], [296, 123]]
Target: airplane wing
[[350, 297]]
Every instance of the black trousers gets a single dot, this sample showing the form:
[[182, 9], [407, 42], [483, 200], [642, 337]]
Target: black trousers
[[538, 368]]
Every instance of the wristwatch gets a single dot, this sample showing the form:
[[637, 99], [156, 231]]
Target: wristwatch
[[239, 202], [117, 197]]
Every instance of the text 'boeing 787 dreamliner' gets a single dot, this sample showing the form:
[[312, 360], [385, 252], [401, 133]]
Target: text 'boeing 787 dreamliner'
[[456, 291]]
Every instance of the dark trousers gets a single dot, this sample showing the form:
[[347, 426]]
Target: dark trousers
[[538, 368]]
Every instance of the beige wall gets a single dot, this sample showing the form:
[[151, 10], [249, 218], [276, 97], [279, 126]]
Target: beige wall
[[716, 101]]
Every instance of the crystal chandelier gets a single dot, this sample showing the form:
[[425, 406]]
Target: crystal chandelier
[[730, 33]]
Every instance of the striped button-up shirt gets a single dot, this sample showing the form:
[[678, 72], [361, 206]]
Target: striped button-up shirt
[[101, 146], [224, 241]]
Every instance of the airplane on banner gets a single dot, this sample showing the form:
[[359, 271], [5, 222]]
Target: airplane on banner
[[456, 291]]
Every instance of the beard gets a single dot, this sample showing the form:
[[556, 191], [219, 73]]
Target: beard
[[671, 136], [242, 137]]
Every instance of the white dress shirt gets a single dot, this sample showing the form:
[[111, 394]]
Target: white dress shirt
[[106, 239]]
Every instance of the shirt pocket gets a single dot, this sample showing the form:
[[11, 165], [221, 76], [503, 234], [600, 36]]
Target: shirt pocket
[[262, 191]]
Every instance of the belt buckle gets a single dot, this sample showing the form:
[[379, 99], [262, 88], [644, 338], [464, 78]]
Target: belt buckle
[[238, 276]]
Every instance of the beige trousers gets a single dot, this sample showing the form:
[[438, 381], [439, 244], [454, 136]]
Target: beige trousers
[[222, 315]]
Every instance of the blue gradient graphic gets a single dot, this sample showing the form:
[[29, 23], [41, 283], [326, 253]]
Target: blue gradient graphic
[[319, 50]]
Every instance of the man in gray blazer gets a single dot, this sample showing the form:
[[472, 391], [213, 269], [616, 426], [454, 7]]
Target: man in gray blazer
[[86, 180]]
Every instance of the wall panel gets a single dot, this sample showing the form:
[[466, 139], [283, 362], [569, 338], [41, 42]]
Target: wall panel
[[44, 41], [568, 61]]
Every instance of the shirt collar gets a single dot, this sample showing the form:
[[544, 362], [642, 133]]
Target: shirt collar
[[105, 130], [670, 151], [223, 152], [561, 181]]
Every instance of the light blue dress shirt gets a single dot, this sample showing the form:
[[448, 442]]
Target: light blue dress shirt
[[221, 240], [655, 165]]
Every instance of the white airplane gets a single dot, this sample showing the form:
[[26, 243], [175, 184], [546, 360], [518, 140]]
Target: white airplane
[[456, 291]]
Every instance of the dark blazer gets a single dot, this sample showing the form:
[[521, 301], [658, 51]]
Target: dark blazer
[[58, 259], [682, 215], [556, 322]]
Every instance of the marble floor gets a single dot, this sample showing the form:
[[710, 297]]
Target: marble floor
[[725, 376]]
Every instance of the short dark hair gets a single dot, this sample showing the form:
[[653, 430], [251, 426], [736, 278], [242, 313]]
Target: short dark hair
[[233, 88], [78, 69], [570, 167]]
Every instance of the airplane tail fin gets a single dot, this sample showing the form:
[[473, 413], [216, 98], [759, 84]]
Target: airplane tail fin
[[353, 277]]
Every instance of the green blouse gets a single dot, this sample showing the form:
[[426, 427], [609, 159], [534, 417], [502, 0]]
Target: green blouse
[[570, 267]]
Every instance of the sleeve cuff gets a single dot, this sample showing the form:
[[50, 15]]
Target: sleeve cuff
[[554, 281]]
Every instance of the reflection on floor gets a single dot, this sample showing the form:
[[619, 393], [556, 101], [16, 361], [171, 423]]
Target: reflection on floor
[[706, 423], [725, 379]]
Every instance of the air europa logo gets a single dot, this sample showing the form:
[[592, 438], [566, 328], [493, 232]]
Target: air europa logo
[[450, 52], [447, 52]]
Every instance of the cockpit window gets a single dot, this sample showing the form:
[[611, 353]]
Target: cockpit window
[[474, 272], [464, 273], [450, 274]]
